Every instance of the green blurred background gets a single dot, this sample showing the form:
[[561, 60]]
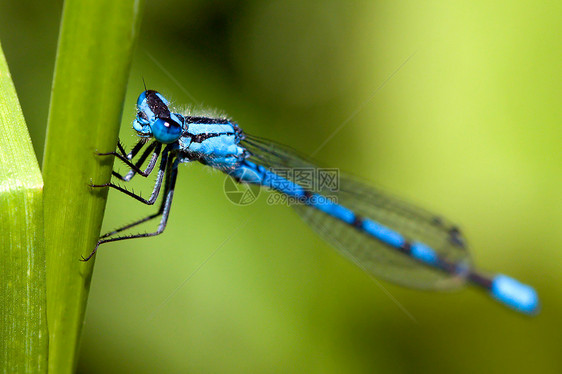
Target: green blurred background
[[470, 126]]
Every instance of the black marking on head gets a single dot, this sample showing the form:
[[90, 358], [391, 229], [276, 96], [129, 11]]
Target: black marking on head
[[157, 106]]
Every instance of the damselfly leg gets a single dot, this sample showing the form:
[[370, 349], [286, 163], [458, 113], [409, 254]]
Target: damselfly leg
[[168, 167], [135, 168], [159, 176]]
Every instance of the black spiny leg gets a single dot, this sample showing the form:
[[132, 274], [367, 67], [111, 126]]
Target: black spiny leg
[[139, 163], [141, 143], [148, 218], [164, 211], [135, 168], [157, 184]]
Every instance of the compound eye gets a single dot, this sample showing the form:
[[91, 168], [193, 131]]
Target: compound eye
[[166, 130], [141, 99]]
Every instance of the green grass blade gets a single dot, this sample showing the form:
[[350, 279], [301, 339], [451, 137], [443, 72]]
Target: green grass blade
[[23, 322], [92, 66]]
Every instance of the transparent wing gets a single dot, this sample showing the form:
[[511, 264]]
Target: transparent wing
[[372, 255]]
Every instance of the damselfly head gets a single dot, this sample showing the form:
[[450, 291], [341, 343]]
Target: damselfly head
[[154, 118]]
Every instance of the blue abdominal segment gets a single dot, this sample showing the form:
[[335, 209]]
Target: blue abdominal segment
[[248, 172], [517, 295], [424, 253], [383, 233]]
